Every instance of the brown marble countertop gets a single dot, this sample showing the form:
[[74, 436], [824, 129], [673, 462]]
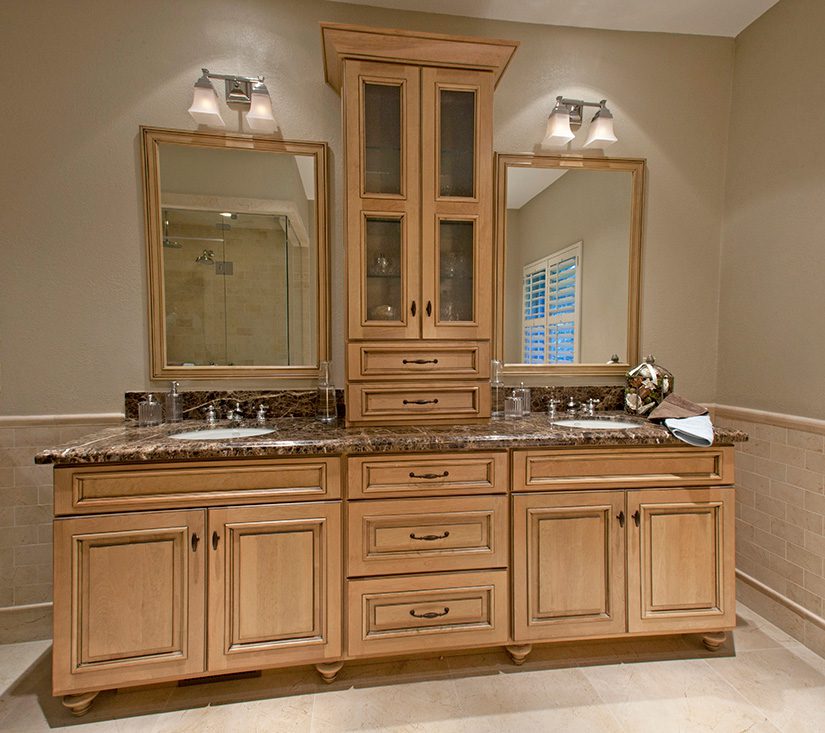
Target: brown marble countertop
[[305, 436]]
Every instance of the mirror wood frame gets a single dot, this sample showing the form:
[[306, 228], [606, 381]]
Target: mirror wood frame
[[151, 139], [634, 166]]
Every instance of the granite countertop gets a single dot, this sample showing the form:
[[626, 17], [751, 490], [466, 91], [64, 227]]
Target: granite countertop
[[304, 436]]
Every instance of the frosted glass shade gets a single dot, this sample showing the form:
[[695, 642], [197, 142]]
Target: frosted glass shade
[[558, 129], [601, 132], [259, 117], [204, 109]]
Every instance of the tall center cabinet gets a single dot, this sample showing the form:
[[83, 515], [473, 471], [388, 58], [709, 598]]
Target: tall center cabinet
[[417, 110]]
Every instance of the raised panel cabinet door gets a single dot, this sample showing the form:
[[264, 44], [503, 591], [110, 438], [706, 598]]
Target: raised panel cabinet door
[[456, 203], [568, 565], [274, 585], [381, 130], [680, 560], [129, 595]]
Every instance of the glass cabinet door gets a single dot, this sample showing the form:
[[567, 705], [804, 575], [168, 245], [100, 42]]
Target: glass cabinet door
[[456, 271], [456, 142], [382, 114]]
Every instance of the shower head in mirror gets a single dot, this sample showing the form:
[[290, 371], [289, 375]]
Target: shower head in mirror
[[207, 257]]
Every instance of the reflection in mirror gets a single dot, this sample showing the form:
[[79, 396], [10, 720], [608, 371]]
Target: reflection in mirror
[[236, 244], [570, 251]]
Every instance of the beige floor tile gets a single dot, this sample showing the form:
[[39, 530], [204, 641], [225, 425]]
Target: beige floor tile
[[674, 696], [544, 700], [788, 685], [15, 659]]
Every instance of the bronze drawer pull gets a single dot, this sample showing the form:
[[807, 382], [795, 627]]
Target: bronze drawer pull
[[620, 517], [430, 537], [195, 541], [443, 474], [215, 539], [421, 402], [637, 517], [419, 361], [430, 614]]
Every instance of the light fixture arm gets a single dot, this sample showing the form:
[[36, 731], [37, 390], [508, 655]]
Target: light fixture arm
[[238, 88], [576, 108]]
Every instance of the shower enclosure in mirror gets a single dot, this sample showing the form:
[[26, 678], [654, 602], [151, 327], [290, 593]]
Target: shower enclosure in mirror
[[568, 261], [237, 255]]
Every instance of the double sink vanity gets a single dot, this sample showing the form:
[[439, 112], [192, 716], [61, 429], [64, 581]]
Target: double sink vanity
[[416, 524]]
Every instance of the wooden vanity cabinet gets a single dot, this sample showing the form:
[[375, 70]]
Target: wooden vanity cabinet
[[418, 138]]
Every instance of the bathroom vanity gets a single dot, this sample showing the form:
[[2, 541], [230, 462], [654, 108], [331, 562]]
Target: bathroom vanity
[[318, 545]]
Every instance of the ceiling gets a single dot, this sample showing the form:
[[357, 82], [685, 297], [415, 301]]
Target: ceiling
[[702, 17]]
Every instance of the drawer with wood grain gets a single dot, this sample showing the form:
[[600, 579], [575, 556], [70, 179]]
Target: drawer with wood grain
[[388, 360], [427, 535], [421, 402], [106, 488], [425, 612], [621, 467], [429, 474]]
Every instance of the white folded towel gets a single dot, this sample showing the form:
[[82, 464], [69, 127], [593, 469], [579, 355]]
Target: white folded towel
[[693, 430]]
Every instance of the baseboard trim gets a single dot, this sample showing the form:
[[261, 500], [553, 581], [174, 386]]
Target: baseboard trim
[[778, 419], [782, 600], [90, 418], [25, 623]]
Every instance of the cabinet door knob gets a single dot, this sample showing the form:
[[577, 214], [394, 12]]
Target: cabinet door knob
[[215, 539], [195, 541], [637, 518], [429, 308], [620, 517], [430, 614], [413, 309]]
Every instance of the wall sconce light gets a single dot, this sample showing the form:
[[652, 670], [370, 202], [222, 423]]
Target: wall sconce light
[[244, 91], [567, 116]]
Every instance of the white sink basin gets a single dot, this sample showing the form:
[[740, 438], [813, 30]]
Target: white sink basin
[[221, 433], [595, 423]]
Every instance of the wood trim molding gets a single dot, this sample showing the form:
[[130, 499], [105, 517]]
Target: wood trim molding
[[25, 623], [28, 421], [782, 600], [763, 417]]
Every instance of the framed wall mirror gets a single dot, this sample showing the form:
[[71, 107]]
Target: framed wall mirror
[[237, 255], [568, 257]]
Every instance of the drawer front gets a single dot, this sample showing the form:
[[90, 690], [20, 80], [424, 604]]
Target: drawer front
[[417, 613], [426, 535], [419, 403], [94, 489], [441, 474], [621, 468], [467, 359]]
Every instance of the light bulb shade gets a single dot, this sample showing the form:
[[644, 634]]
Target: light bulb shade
[[204, 109], [601, 132], [259, 117], [558, 128]]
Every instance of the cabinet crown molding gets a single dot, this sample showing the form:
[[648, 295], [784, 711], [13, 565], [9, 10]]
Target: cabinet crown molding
[[342, 41]]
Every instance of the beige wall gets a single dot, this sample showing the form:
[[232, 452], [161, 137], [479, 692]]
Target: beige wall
[[771, 336], [72, 291]]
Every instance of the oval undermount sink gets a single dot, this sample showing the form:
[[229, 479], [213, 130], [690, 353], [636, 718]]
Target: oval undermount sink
[[221, 433], [595, 423]]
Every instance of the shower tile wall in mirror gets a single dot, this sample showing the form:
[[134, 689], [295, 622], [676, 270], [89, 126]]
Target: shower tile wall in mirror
[[569, 240], [236, 232]]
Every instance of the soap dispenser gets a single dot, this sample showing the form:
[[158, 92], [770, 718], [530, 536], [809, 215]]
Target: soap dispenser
[[174, 413]]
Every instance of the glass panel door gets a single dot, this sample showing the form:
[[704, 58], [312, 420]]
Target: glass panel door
[[457, 143], [456, 259], [382, 139], [384, 253]]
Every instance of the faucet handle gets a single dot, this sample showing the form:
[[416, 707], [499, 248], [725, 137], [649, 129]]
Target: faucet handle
[[211, 415], [552, 407], [591, 405], [260, 413]]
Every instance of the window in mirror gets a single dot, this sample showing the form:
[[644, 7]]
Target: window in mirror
[[569, 242], [237, 251]]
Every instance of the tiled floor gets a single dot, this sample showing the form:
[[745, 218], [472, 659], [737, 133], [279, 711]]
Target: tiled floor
[[771, 683]]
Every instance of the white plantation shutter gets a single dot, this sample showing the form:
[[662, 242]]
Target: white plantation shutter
[[551, 314]]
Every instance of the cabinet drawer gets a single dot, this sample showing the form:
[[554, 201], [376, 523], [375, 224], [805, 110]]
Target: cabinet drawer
[[432, 474], [467, 359], [94, 489], [417, 403], [425, 535], [416, 613], [623, 467]]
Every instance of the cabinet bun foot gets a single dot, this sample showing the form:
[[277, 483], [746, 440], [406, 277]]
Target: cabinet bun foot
[[329, 670], [714, 641], [518, 652], [79, 704]]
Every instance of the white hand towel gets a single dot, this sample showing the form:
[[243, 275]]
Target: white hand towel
[[693, 430]]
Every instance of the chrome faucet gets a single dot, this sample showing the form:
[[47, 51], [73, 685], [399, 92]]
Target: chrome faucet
[[572, 406], [211, 415], [590, 408], [552, 408], [235, 415], [260, 414]]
